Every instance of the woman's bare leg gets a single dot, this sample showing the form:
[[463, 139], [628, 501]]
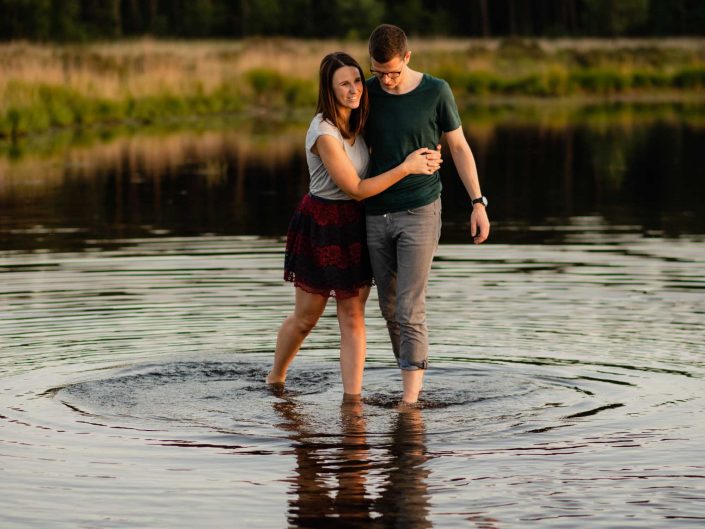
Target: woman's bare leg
[[293, 331], [353, 340]]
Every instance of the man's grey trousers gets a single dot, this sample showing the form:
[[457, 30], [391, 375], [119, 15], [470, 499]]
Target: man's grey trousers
[[401, 247]]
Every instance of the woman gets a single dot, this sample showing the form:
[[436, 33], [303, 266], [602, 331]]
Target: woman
[[326, 252]]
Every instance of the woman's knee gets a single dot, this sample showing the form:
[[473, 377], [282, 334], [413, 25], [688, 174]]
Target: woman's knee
[[305, 322], [308, 310], [351, 315]]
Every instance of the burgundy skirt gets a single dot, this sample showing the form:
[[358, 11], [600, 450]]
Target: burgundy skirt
[[326, 248]]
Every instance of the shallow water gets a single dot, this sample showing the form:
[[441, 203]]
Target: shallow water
[[141, 290], [566, 390]]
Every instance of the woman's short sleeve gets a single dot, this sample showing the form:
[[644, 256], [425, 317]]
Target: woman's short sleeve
[[319, 127]]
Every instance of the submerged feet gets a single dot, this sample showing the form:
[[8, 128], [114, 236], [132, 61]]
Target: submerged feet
[[408, 406], [275, 385], [412, 382]]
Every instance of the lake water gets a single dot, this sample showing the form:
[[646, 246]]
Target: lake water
[[141, 293]]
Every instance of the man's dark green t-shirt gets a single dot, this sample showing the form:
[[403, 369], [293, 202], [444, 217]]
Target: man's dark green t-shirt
[[397, 126]]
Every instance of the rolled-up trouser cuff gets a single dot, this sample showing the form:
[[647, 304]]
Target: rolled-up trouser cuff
[[406, 365]]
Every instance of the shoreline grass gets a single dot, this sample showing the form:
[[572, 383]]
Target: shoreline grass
[[267, 133], [47, 87]]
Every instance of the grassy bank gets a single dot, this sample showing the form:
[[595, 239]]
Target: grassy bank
[[48, 87], [273, 137]]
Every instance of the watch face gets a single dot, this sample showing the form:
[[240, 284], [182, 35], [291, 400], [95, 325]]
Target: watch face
[[481, 200]]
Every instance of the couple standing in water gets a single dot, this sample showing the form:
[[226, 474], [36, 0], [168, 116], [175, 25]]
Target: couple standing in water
[[335, 245]]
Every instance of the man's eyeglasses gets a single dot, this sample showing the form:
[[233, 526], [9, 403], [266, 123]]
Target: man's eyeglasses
[[391, 75]]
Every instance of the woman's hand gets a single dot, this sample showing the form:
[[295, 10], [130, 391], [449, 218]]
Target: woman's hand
[[423, 161]]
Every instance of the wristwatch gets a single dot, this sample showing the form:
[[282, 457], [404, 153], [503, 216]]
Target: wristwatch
[[480, 200]]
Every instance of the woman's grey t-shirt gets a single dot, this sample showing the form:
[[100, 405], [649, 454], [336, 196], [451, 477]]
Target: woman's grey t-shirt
[[321, 184]]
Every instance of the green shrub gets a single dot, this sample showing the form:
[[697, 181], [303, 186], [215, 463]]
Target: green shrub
[[110, 111], [600, 81], [272, 89], [650, 79], [300, 92], [265, 81], [58, 104], [27, 119], [690, 78]]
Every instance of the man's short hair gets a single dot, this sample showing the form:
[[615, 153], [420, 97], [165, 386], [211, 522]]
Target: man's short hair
[[386, 42]]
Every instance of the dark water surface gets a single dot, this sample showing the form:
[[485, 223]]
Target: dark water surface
[[635, 171], [141, 292]]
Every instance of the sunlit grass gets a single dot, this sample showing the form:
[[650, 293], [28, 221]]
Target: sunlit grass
[[44, 87]]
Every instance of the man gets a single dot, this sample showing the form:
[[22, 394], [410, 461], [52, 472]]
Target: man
[[409, 110]]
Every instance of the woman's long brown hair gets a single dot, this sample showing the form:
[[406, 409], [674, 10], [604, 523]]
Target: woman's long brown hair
[[327, 104]]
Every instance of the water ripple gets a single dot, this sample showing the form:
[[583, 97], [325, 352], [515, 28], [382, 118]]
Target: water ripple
[[558, 373]]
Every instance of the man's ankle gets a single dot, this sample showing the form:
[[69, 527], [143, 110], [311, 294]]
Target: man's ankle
[[412, 382]]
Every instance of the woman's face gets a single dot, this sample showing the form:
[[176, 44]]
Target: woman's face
[[347, 87]]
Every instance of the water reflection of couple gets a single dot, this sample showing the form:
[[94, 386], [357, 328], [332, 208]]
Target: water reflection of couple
[[335, 246], [344, 484]]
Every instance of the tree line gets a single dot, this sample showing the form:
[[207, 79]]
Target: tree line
[[87, 20]]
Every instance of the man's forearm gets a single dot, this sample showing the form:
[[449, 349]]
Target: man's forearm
[[467, 170]]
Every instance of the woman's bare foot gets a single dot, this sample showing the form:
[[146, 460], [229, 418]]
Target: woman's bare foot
[[404, 406], [271, 379]]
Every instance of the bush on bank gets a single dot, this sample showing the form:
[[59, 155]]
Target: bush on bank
[[45, 87]]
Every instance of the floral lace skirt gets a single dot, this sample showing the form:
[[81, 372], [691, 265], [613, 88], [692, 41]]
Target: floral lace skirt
[[326, 248]]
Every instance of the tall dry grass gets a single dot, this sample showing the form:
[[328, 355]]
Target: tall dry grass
[[45, 86], [149, 68]]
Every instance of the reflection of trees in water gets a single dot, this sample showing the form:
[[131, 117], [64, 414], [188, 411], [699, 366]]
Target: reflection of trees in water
[[626, 173], [229, 181], [247, 178], [334, 480], [150, 157]]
